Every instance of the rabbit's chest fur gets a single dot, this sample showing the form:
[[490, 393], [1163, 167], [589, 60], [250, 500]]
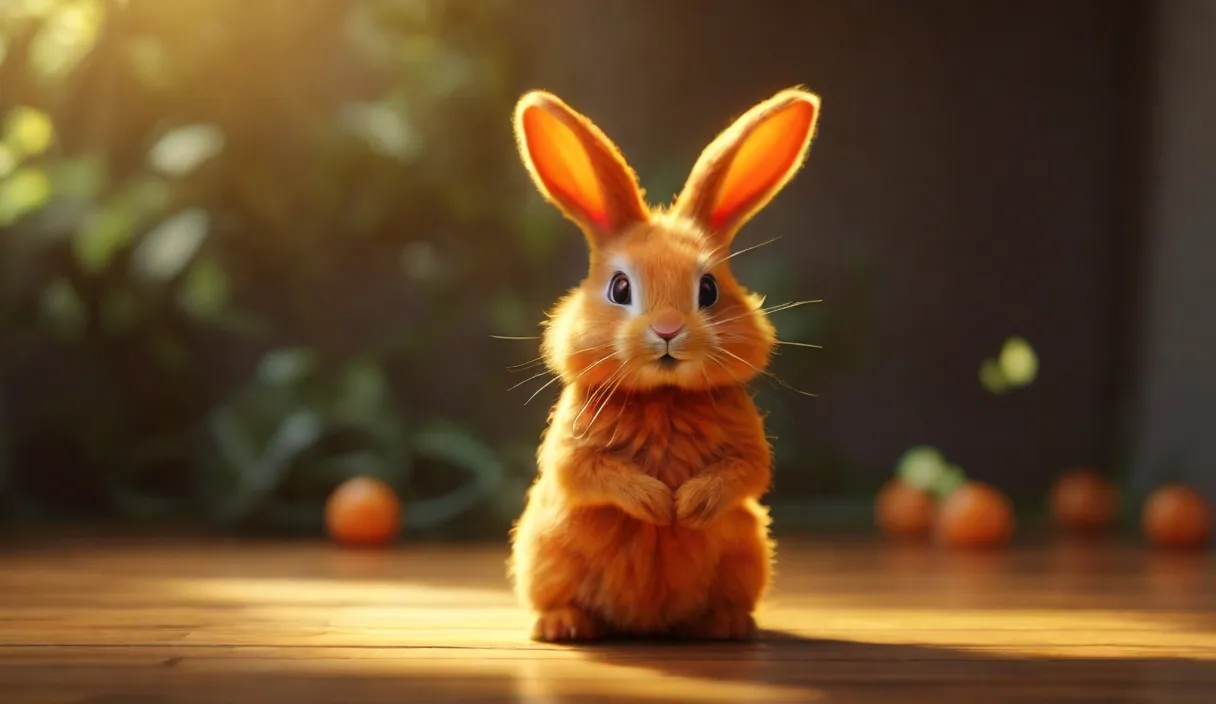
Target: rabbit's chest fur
[[640, 574], [669, 434]]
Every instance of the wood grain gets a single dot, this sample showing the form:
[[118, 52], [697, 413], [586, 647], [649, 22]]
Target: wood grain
[[160, 621]]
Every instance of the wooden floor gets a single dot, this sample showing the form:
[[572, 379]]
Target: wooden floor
[[155, 622]]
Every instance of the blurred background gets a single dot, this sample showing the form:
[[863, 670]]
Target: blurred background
[[251, 249]]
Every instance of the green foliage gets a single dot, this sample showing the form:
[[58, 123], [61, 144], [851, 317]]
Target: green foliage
[[925, 468], [178, 185], [1015, 367]]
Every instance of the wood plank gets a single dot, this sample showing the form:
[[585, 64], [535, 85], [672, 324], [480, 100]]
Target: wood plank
[[177, 620]]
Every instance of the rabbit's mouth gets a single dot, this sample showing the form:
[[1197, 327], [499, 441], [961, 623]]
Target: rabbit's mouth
[[667, 361]]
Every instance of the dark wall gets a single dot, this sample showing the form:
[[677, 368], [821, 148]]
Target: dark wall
[[1177, 390], [969, 154]]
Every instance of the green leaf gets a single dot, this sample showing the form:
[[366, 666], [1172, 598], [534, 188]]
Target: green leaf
[[949, 480], [363, 393], [184, 149], [79, 177], [287, 366], [170, 246], [298, 432], [25, 191], [450, 445], [28, 132], [383, 129], [1018, 361], [62, 310], [107, 231], [258, 471], [8, 160], [204, 292], [102, 235], [992, 377], [233, 439], [921, 466], [67, 36]]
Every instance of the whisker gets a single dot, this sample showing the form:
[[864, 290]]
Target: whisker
[[741, 251], [719, 361], [792, 304], [546, 385], [591, 397], [534, 376], [524, 365], [762, 373], [593, 365], [768, 374], [549, 383], [513, 337], [607, 399], [772, 309], [628, 398], [541, 359], [798, 344]]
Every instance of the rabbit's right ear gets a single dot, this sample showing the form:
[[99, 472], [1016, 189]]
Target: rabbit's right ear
[[577, 168], [741, 170]]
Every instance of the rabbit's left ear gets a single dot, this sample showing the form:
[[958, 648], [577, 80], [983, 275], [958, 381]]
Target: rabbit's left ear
[[577, 168], [749, 163]]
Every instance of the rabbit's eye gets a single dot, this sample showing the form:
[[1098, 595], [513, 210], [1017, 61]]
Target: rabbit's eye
[[707, 292], [619, 291]]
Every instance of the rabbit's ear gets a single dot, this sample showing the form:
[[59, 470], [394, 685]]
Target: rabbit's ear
[[741, 170], [576, 167]]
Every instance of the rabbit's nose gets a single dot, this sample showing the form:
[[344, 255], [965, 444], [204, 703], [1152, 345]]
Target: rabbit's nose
[[667, 323]]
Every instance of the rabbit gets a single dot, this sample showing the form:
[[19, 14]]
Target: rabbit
[[644, 519]]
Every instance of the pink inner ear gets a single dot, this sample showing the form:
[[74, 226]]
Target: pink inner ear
[[562, 164], [764, 162]]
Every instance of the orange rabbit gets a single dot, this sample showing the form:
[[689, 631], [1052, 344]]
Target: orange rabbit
[[644, 519]]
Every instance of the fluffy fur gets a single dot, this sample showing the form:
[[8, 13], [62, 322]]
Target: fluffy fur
[[645, 519]]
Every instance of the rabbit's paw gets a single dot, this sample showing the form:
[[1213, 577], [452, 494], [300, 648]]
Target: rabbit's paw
[[650, 500], [699, 501], [565, 624], [724, 624]]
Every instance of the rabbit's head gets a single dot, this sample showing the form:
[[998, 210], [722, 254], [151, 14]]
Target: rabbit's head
[[659, 305]]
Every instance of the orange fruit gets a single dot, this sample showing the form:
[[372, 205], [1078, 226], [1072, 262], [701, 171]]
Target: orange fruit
[[363, 511], [902, 510], [975, 515], [1175, 515], [1082, 499]]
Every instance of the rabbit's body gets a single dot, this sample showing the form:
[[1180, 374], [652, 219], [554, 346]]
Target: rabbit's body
[[644, 519], [629, 576]]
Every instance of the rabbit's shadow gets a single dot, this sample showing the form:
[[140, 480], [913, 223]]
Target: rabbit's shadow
[[837, 670]]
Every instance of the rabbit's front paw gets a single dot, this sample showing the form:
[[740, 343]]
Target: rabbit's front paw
[[699, 501], [650, 500], [722, 624], [566, 624]]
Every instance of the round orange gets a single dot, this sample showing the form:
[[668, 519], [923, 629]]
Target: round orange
[[903, 511], [975, 515], [1175, 515], [363, 511], [1082, 499]]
